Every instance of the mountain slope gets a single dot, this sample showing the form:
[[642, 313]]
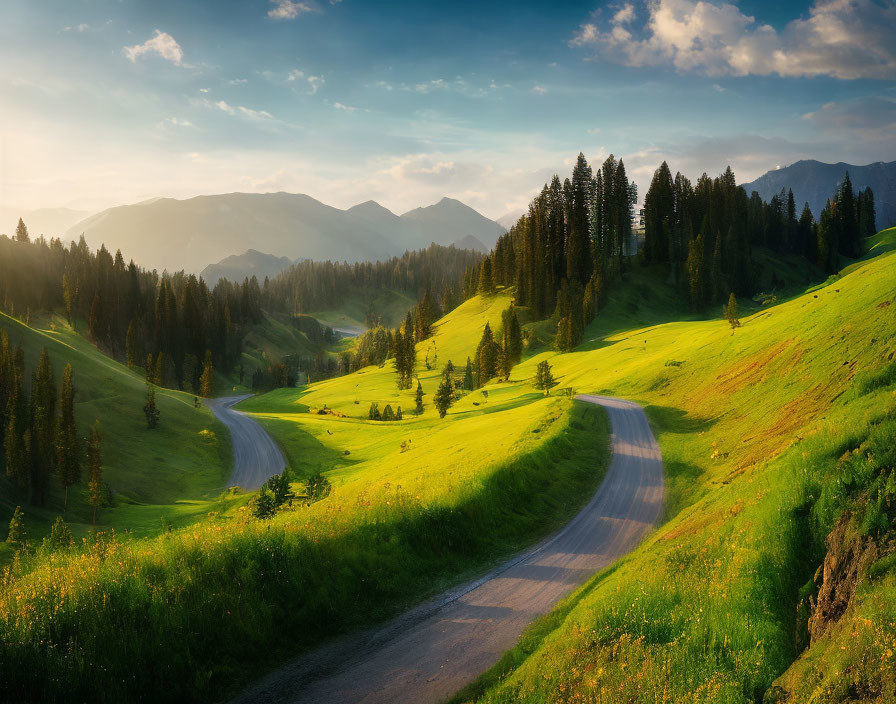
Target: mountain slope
[[236, 267], [816, 182], [165, 233], [449, 220]]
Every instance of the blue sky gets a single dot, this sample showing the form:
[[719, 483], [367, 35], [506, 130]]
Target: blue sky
[[111, 101]]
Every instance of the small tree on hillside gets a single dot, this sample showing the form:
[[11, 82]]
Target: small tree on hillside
[[18, 535], [150, 410], [388, 414], [60, 535], [468, 376], [418, 398], [444, 397], [207, 380], [263, 508], [373, 412], [731, 312], [544, 378], [95, 468]]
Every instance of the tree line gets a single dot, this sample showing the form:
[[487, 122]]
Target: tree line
[[130, 312], [39, 437]]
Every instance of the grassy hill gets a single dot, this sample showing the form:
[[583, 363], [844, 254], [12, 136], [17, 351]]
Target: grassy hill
[[171, 472], [773, 436], [769, 433]]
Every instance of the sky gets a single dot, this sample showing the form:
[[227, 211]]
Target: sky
[[104, 102]]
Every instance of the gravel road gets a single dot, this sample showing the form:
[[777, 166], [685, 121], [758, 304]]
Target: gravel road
[[432, 651], [256, 456]]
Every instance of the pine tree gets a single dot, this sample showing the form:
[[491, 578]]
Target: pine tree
[[43, 428], [418, 399], [398, 414], [264, 506], [444, 397], [695, 265], [373, 412], [468, 375], [512, 338], [731, 312], [544, 377], [18, 533], [486, 282], [132, 351], [22, 232], [17, 469], [150, 410], [388, 413], [68, 450], [207, 380], [95, 468], [487, 357], [716, 277]]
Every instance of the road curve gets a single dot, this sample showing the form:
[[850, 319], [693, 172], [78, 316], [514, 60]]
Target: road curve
[[432, 651], [256, 456]]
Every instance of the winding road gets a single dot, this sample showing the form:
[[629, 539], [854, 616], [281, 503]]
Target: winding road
[[256, 456], [432, 651]]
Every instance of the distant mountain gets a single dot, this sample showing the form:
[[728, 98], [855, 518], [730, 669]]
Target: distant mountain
[[52, 222], [510, 219], [815, 182], [237, 267], [450, 219], [165, 233], [470, 242]]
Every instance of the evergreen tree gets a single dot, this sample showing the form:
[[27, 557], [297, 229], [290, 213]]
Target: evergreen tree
[[150, 410], [22, 232], [486, 357], [18, 533], [207, 380], [264, 507], [373, 413], [43, 428], [716, 276], [468, 376], [486, 281], [17, 460], [867, 216], [731, 312], [444, 397], [398, 414], [544, 377], [418, 399], [827, 244], [95, 468], [388, 413], [68, 450], [847, 220], [578, 247], [132, 351], [695, 266], [512, 338]]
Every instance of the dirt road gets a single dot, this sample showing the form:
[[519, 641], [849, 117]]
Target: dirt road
[[256, 456], [432, 651]]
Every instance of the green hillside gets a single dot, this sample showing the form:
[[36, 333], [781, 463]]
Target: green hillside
[[769, 433], [171, 472]]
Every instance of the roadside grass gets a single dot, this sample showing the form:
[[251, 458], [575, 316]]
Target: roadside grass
[[205, 608], [167, 473], [752, 425]]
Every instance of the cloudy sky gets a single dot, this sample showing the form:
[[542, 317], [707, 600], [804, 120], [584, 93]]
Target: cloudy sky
[[112, 101]]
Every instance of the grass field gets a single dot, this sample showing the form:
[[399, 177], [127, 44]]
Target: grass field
[[754, 425], [172, 472]]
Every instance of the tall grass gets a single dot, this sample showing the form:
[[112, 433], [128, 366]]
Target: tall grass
[[187, 616]]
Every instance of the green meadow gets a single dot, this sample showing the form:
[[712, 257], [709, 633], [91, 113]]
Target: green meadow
[[772, 435]]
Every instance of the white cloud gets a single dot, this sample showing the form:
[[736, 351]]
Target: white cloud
[[314, 82], [347, 108], [162, 44], [176, 122], [288, 10], [237, 110], [844, 39], [539, 90], [237, 81]]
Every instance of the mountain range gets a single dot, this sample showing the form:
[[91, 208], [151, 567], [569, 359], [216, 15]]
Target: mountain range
[[51, 222], [814, 182], [165, 233]]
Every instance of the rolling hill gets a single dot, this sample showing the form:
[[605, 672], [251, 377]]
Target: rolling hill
[[814, 182], [165, 233], [250, 263]]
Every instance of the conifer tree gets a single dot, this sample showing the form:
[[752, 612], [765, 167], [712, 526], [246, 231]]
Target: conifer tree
[[388, 413], [22, 232], [207, 380], [398, 414], [695, 266], [486, 356], [468, 375], [132, 352], [486, 281], [731, 312], [95, 468], [43, 428], [544, 377], [373, 412], [18, 533], [512, 338], [418, 399], [68, 450], [444, 397], [150, 410], [17, 469]]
